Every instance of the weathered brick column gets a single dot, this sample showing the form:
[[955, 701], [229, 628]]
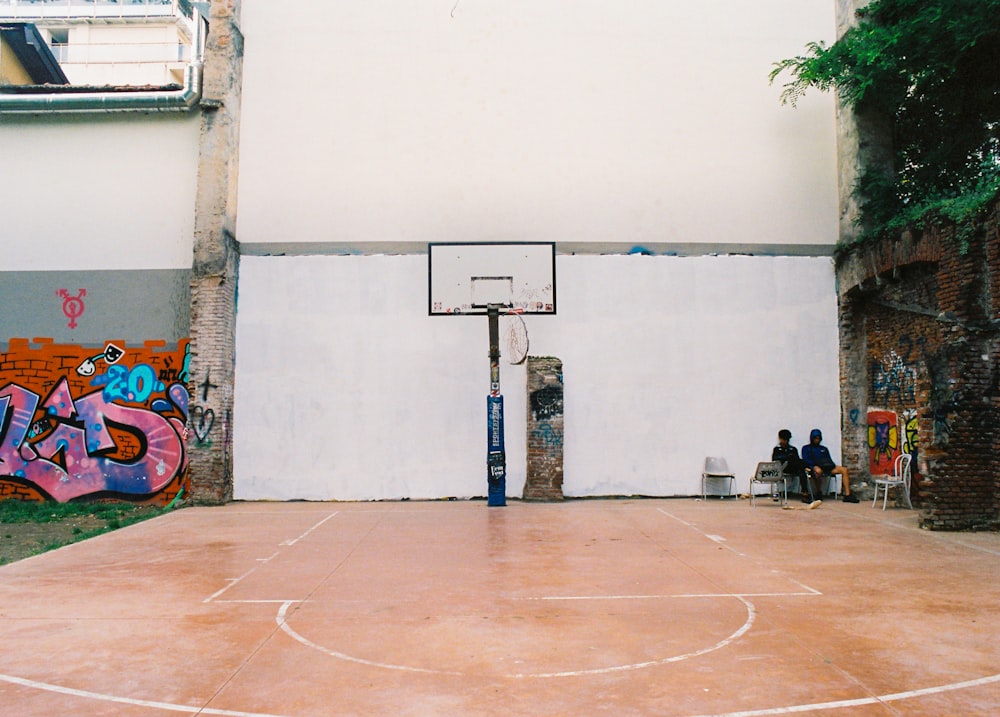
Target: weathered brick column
[[215, 269], [545, 429], [853, 391]]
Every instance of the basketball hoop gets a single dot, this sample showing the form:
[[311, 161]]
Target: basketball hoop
[[506, 279]]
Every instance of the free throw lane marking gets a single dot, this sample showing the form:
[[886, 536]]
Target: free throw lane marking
[[294, 541]]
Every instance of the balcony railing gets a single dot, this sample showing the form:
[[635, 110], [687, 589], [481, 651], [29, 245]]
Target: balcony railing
[[94, 53], [42, 10]]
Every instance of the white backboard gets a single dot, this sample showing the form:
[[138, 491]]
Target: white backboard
[[467, 278]]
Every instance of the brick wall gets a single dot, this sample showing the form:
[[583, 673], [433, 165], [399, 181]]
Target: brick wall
[[545, 429], [211, 383], [215, 270], [920, 340]]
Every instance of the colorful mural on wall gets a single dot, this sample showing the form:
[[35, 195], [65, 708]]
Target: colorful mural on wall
[[80, 423], [883, 441]]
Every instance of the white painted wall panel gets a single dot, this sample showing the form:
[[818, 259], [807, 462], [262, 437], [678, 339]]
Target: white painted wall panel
[[98, 192], [346, 389], [648, 121]]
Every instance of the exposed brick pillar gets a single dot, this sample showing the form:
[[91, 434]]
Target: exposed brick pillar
[[853, 394], [545, 429], [216, 262]]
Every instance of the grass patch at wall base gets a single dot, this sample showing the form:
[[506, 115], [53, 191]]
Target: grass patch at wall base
[[30, 528]]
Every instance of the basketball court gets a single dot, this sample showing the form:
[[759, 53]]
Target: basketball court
[[618, 607]]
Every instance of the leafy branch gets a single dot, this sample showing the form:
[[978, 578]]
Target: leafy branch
[[930, 68]]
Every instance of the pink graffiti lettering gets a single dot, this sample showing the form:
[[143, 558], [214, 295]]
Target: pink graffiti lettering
[[72, 460]]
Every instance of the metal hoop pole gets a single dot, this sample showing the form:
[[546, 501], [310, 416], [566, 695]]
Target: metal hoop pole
[[496, 457]]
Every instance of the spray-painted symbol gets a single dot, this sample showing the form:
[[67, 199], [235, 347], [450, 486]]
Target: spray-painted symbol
[[72, 306], [202, 420], [206, 385], [111, 354]]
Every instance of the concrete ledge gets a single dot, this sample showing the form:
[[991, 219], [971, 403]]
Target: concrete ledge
[[655, 249]]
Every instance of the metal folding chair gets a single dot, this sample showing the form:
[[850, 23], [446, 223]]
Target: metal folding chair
[[771, 474]]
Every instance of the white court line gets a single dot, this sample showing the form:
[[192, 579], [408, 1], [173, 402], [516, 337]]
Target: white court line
[[751, 612], [666, 597], [972, 546], [793, 709], [839, 703], [47, 687], [276, 601], [261, 561], [894, 697], [293, 542], [234, 581], [942, 536], [714, 538], [812, 591], [721, 542], [281, 619]]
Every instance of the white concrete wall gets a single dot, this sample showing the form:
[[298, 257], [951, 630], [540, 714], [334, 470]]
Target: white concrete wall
[[599, 121], [346, 389], [97, 193]]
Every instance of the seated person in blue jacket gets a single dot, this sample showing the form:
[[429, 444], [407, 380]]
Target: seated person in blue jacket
[[794, 466], [817, 457]]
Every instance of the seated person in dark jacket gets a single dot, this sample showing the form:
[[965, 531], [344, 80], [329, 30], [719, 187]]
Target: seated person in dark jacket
[[820, 463], [794, 466]]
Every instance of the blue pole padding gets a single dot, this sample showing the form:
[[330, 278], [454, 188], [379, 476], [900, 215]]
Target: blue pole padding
[[496, 457]]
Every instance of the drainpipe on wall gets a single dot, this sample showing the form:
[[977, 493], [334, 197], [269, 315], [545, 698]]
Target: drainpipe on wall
[[180, 100]]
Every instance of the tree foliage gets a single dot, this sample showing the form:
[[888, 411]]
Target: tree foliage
[[932, 69]]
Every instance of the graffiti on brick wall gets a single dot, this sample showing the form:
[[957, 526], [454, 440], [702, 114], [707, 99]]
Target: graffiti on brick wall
[[547, 402], [894, 379], [548, 435], [80, 424], [911, 436], [203, 419], [883, 441]]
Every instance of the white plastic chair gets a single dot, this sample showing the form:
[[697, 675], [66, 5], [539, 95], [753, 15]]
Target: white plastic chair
[[717, 468], [900, 478], [770, 473], [834, 481]]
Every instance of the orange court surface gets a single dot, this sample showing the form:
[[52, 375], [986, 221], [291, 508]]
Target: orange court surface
[[587, 607]]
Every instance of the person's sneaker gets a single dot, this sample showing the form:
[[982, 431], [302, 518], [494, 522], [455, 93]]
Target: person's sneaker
[[851, 498]]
